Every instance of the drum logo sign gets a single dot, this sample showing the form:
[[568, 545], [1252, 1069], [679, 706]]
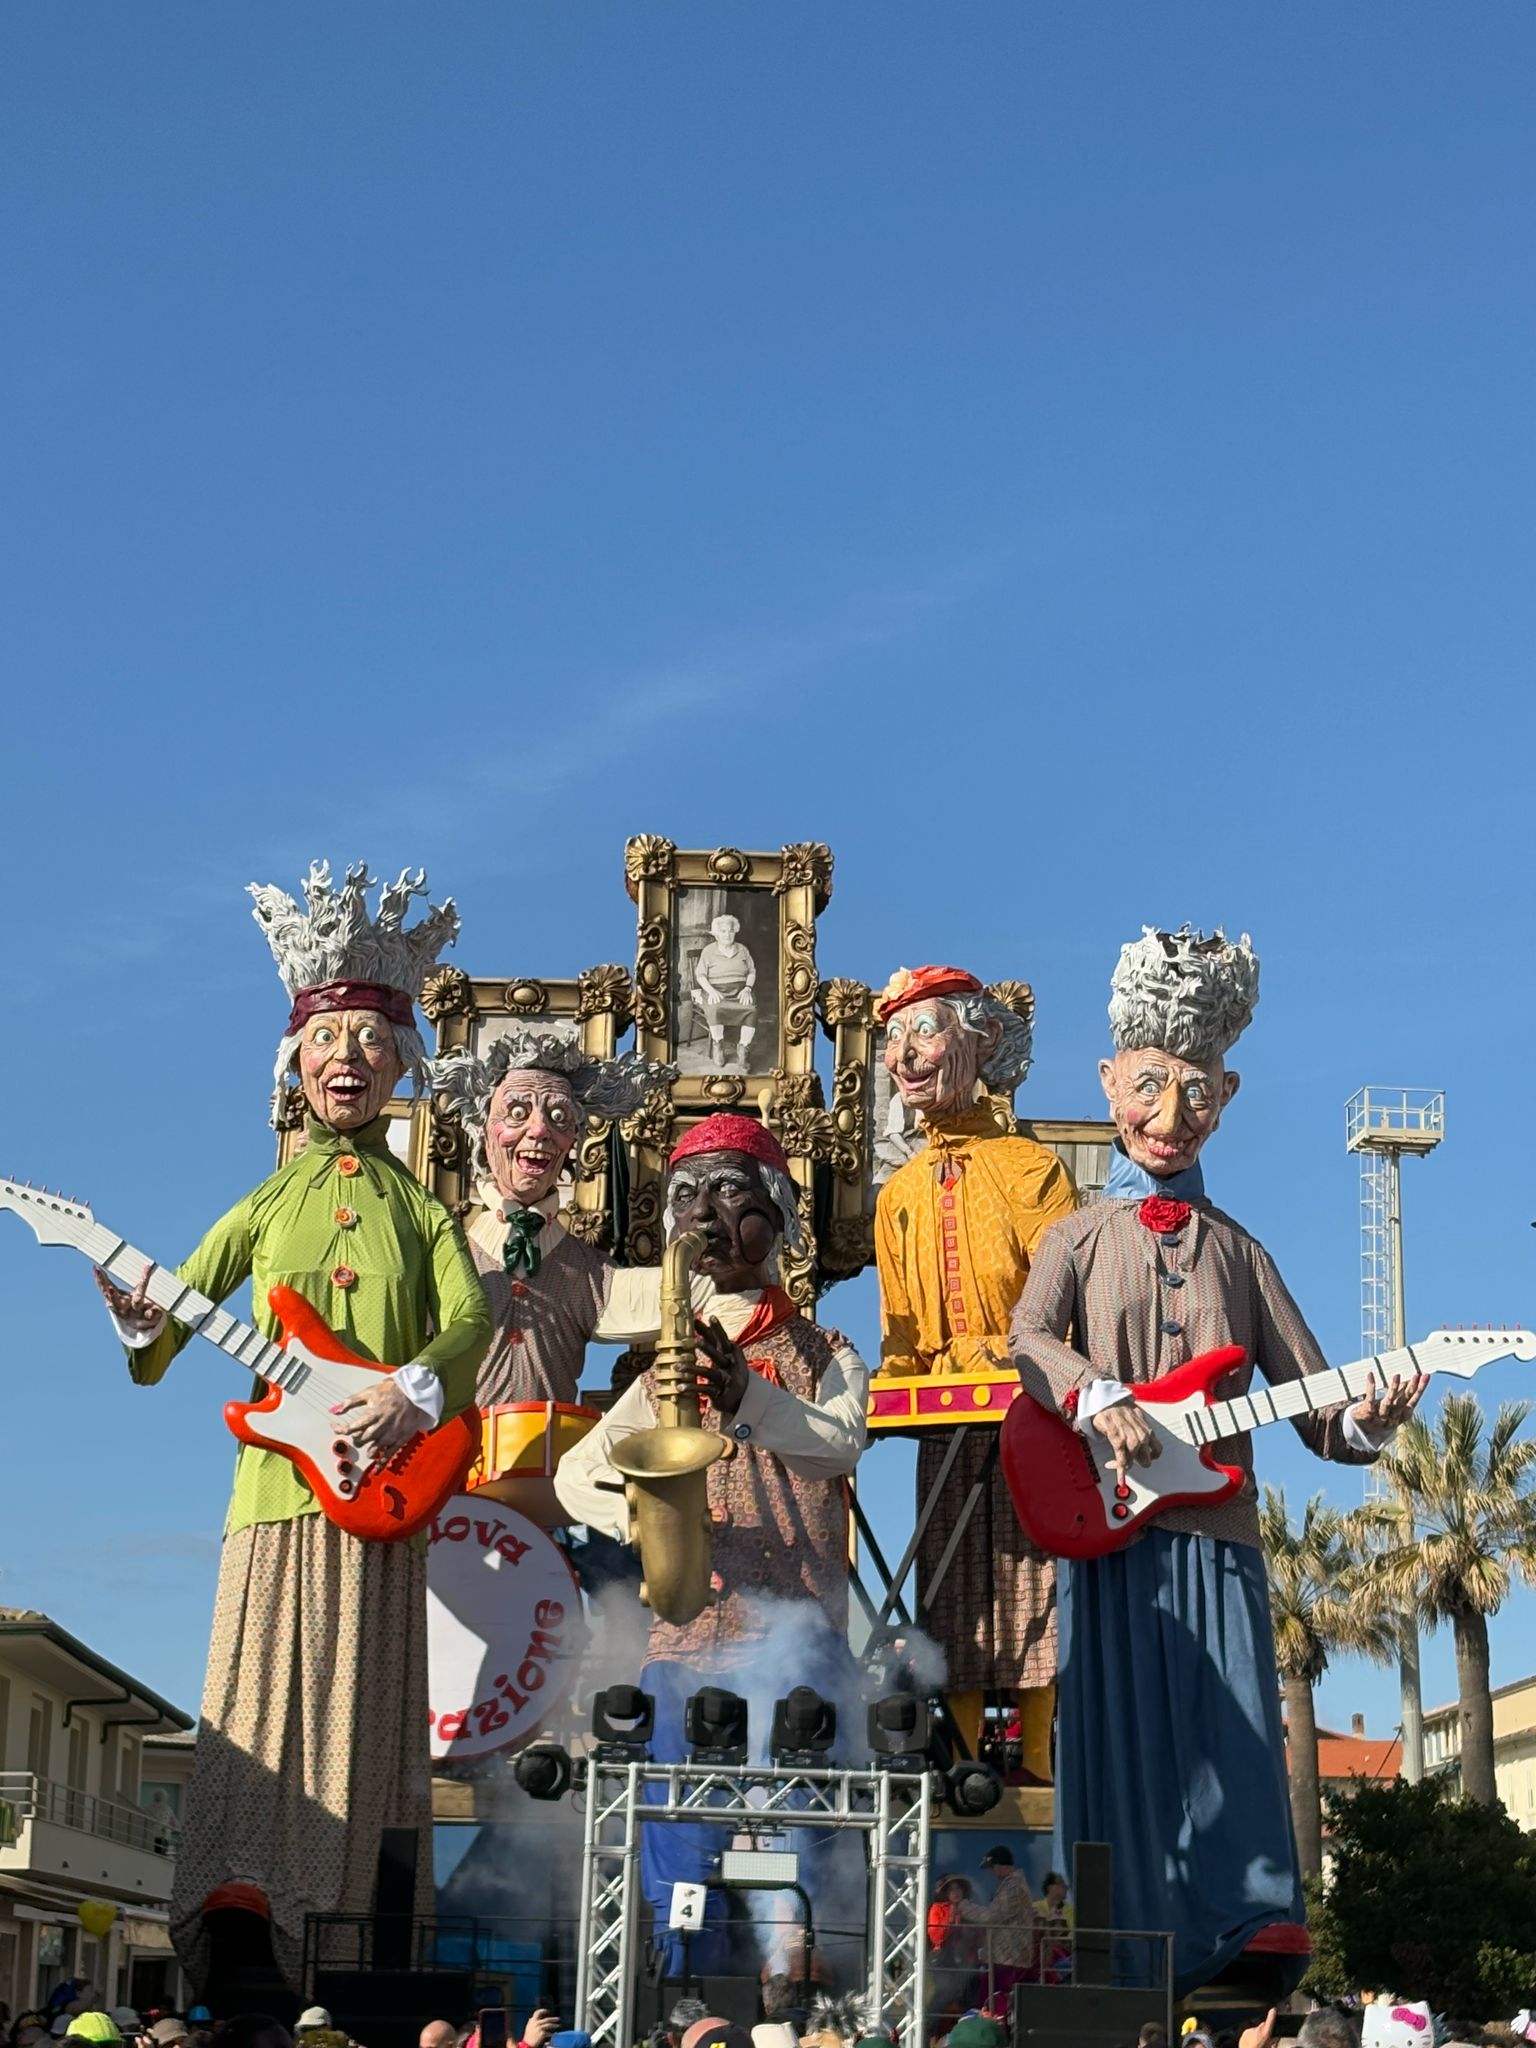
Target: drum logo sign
[[504, 1628]]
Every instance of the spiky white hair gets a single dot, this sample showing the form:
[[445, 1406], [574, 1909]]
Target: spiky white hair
[[333, 938], [602, 1088], [1183, 993]]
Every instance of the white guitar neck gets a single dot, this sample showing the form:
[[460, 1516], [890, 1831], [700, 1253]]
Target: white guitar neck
[[58, 1221], [1462, 1352]]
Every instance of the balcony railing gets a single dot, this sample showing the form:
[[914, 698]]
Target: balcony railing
[[36, 1798]]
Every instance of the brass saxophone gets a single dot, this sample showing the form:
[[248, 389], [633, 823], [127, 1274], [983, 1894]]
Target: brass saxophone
[[666, 1467]]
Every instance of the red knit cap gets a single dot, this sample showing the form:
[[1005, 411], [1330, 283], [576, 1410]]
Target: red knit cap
[[918, 984], [725, 1133]]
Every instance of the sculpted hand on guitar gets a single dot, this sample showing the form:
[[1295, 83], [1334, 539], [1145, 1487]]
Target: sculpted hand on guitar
[[1384, 1407], [1129, 1435], [134, 1310], [381, 1419]]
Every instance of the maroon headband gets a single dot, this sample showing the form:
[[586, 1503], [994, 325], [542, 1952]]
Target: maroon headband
[[392, 1003]]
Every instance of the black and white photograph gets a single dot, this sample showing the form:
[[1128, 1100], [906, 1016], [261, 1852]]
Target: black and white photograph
[[725, 981]]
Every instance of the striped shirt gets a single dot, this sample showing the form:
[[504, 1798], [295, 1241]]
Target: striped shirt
[[1108, 1299]]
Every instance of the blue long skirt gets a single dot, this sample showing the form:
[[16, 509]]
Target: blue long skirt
[[1170, 1745]]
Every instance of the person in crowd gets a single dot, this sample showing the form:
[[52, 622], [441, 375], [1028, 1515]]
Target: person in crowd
[[95, 2026], [254, 2030], [1053, 1929], [685, 2013], [310, 1742], [1328, 2027], [314, 2019], [1169, 1743], [791, 1396], [953, 1945], [170, 2032], [1153, 2035], [1006, 1924], [955, 1229], [438, 2034]]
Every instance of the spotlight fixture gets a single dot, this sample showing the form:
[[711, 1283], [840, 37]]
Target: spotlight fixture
[[544, 1770], [623, 1720], [804, 1728], [715, 1726], [972, 1788], [900, 1732]]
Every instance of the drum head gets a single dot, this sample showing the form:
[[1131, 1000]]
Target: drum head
[[504, 1628]]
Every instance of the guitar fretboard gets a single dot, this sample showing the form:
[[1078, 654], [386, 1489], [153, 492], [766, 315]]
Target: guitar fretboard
[[247, 1345], [1297, 1397]]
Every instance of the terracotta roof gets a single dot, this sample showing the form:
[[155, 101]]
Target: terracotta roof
[[1356, 1756]]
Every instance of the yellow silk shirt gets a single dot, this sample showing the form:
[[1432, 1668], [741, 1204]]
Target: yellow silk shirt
[[953, 1253]]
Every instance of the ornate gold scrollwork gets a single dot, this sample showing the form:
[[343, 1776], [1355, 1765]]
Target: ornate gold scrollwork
[[601, 990], [591, 1226], [652, 1122], [1017, 996], [799, 980], [447, 992], [723, 1088], [527, 998], [849, 1119], [652, 974], [800, 1266], [795, 1112], [292, 1114], [449, 1141], [648, 857], [850, 1244], [842, 1001], [592, 1150], [729, 864], [807, 865], [642, 1245]]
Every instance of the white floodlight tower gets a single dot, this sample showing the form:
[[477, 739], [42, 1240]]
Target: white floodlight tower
[[1381, 1124]]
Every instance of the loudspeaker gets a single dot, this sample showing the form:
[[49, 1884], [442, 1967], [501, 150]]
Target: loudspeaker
[[394, 1899], [1082, 2015], [1093, 1904], [389, 2008]]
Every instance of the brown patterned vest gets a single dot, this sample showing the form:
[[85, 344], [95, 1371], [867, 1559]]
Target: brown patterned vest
[[774, 1534]]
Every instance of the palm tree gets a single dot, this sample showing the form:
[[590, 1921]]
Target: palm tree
[[1315, 1579], [1459, 1530]]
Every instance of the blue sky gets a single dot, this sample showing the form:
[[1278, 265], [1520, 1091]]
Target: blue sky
[[1075, 460]]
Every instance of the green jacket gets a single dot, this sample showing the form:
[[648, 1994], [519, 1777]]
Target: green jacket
[[345, 1206]]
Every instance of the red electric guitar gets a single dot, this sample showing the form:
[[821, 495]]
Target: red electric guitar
[[1063, 1481], [306, 1375]]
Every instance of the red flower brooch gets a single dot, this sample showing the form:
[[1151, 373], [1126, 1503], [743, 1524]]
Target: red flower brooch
[[1163, 1216]]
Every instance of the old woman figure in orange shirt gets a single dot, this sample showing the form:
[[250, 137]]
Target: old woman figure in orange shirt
[[954, 1232]]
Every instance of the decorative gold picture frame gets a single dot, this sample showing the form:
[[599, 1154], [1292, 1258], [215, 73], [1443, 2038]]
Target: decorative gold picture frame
[[758, 1028], [470, 1013]]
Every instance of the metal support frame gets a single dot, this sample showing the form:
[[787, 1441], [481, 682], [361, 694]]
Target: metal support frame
[[893, 1604], [892, 1809]]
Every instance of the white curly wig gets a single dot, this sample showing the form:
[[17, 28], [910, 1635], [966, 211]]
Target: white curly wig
[[600, 1088], [1184, 993]]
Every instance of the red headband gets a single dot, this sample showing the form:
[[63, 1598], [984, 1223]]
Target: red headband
[[723, 1133], [919, 984], [327, 996]]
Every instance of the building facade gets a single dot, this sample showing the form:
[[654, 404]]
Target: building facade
[[88, 1813], [1514, 1748]]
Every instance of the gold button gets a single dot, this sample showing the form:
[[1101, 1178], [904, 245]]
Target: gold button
[[346, 1217]]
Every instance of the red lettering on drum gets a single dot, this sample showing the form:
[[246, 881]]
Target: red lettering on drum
[[456, 1528], [530, 1674], [513, 1551], [541, 1645], [451, 1726], [491, 1715], [548, 1614]]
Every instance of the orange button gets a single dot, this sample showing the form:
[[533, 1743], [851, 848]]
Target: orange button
[[346, 1218], [342, 1276], [347, 1164], [718, 1515]]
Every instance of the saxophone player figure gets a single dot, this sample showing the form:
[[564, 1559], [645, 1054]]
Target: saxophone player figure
[[790, 1396]]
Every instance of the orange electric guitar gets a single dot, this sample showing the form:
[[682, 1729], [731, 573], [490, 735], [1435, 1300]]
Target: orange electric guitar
[[306, 1375]]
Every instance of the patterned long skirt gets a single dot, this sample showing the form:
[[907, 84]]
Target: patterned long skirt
[[994, 1616], [313, 1736]]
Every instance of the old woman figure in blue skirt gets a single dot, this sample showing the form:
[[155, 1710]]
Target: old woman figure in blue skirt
[[1170, 1746]]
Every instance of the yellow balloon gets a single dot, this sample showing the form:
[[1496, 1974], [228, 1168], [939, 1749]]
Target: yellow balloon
[[96, 1916]]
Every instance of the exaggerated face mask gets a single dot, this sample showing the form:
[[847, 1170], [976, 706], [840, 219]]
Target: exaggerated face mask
[[721, 1195], [532, 1125], [349, 1066], [1164, 1107], [934, 1061]]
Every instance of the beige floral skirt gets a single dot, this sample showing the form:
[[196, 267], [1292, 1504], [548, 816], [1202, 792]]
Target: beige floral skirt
[[313, 1736]]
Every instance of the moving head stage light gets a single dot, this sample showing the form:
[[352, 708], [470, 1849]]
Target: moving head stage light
[[623, 1721], [804, 1729], [544, 1770], [715, 1726], [901, 1732]]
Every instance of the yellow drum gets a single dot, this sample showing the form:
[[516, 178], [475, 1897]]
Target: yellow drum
[[521, 1443]]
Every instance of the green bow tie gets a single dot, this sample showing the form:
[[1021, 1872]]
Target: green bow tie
[[520, 1253]]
